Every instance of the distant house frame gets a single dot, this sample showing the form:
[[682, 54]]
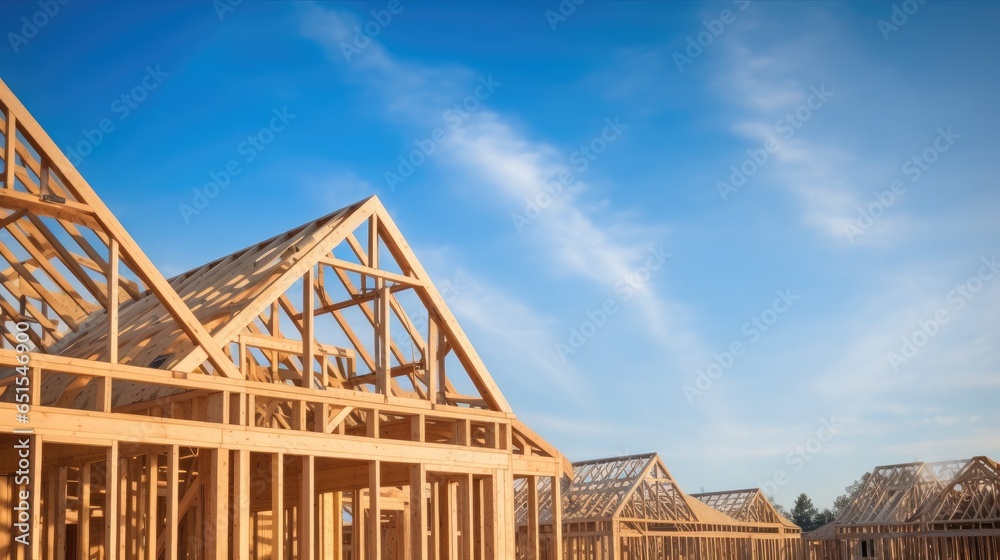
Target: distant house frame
[[631, 508], [948, 510]]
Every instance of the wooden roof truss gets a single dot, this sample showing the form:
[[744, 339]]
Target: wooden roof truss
[[64, 256], [324, 355], [903, 493], [892, 494], [973, 494], [631, 487], [749, 505], [339, 305]]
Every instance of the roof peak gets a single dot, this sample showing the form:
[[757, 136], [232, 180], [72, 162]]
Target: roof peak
[[648, 455]]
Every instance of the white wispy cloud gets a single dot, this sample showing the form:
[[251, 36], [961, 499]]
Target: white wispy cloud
[[815, 174], [516, 327], [841, 365], [490, 149], [843, 361]]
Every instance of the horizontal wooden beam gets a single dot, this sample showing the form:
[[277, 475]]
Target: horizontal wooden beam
[[69, 210], [397, 371], [351, 302], [93, 428], [291, 346], [373, 272], [197, 381]]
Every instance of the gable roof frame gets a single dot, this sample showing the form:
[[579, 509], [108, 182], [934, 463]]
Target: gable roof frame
[[90, 211], [972, 495], [338, 232], [741, 505]]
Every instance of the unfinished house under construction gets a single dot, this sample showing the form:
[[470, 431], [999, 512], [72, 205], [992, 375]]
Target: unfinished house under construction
[[630, 508], [925, 511], [310, 396], [771, 534]]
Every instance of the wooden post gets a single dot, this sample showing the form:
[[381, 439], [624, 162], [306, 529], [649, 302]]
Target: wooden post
[[307, 509], [373, 423], [49, 504], [616, 542], [331, 522], [478, 502], [432, 357], [251, 410], [324, 515], [449, 502], [152, 489], [358, 536], [274, 321], [490, 539], [173, 514], [417, 428], [382, 341], [381, 318], [375, 510], [506, 527], [533, 542], [300, 409], [111, 513], [10, 157], [59, 521], [36, 386], [557, 528], [277, 505], [373, 241], [8, 489], [435, 521], [308, 327], [466, 494], [83, 514], [104, 386], [113, 301], [124, 513], [218, 517], [463, 433], [321, 417], [418, 511], [241, 505], [338, 526]]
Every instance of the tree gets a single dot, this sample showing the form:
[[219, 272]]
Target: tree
[[824, 517], [804, 513], [844, 500], [778, 507]]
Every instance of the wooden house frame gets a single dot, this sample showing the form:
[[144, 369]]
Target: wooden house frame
[[948, 510], [631, 508], [772, 536], [310, 396]]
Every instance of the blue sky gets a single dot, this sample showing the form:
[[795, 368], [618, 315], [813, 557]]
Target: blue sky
[[718, 252]]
